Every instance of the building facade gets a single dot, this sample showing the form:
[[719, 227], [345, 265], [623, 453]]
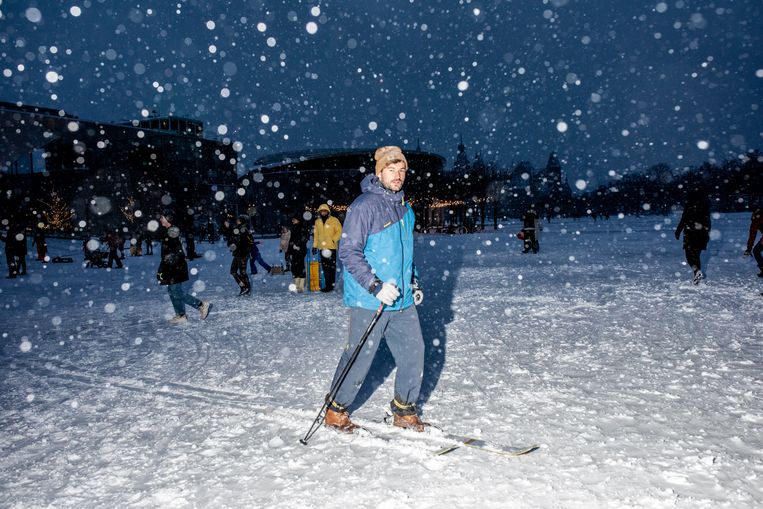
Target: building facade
[[281, 185], [111, 174]]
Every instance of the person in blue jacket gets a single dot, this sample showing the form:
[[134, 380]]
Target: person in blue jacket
[[377, 254]]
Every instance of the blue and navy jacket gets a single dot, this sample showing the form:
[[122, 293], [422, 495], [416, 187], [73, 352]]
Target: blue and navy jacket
[[377, 243]]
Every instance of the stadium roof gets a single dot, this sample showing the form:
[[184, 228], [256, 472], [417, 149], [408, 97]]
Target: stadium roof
[[337, 158]]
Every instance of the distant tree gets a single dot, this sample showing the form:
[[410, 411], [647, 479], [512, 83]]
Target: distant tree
[[461, 163], [57, 214], [128, 210]]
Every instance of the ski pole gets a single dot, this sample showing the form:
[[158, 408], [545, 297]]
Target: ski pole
[[315, 426]]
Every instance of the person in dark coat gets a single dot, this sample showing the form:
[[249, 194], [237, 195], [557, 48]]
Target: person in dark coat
[[122, 239], [136, 244], [114, 241], [227, 228], [283, 246], [21, 249], [530, 230], [695, 225], [756, 225], [255, 257], [210, 231], [39, 241], [15, 250], [190, 244], [10, 257], [240, 243], [149, 242], [173, 272], [296, 252]]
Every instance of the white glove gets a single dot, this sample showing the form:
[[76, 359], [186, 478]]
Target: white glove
[[388, 293], [418, 293], [418, 296]]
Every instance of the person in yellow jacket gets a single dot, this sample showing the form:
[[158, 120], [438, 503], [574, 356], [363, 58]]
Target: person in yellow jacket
[[326, 234]]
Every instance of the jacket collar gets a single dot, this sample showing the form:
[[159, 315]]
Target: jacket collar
[[371, 184]]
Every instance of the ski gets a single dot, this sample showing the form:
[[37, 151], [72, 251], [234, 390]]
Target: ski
[[483, 445], [449, 441]]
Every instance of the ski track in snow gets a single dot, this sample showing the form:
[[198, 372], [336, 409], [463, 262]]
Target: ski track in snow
[[643, 390]]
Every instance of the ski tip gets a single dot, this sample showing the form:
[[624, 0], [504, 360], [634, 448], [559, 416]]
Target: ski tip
[[521, 451]]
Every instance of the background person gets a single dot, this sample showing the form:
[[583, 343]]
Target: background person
[[756, 226], [173, 272], [240, 243], [296, 252], [695, 225], [530, 230], [327, 231]]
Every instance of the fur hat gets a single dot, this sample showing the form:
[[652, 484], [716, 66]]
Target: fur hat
[[324, 206], [386, 155]]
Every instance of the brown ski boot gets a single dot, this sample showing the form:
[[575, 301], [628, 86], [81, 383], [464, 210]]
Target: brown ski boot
[[339, 420], [411, 422], [406, 415]]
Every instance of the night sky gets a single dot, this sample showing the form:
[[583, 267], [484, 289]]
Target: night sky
[[610, 85]]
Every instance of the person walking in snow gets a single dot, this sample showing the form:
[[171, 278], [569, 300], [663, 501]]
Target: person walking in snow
[[695, 225], [283, 246], [39, 241], [10, 256], [240, 243], [21, 248], [210, 231], [121, 244], [377, 254], [756, 226], [256, 257], [136, 244], [114, 240], [530, 230], [149, 242], [295, 253], [15, 250], [326, 234], [173, 272]]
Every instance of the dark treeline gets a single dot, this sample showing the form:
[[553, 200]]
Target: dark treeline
[[478, 192]]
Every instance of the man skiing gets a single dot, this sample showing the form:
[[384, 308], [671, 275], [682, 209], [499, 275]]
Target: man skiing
[[173, 272], [756, 225], [377, 254], [326, 234]]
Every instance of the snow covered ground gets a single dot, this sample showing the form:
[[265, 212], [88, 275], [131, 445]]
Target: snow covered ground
[[642, 389]]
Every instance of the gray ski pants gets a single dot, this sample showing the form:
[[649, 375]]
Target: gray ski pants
[[402, 331]]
